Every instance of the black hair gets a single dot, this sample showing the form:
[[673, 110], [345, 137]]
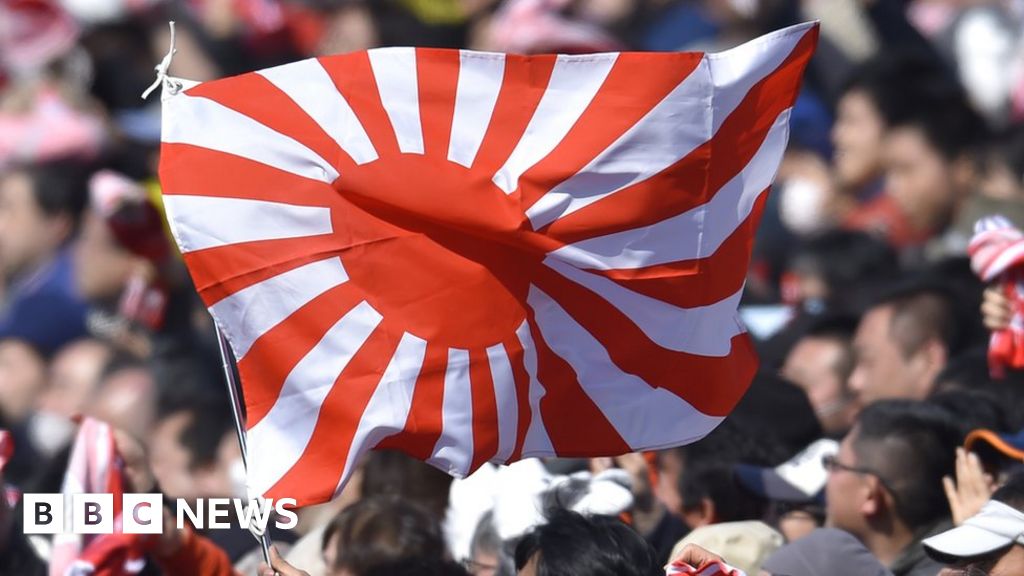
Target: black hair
[[571, 544], [843, 259], [949, 125], [418, 567], [383, 530], [911, 446], [716, 481], [972, 408], [209, 419], [1011, 493], [897, 82], [60, 187], [921, 311], [389, 472]]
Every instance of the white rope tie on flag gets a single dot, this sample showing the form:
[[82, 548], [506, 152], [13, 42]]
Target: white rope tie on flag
[[162, 78]]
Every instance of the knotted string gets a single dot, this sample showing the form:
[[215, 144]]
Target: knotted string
[[161, 71]]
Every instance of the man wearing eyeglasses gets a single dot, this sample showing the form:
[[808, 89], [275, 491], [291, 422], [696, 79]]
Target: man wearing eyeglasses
[[885, 483], [990, 543]]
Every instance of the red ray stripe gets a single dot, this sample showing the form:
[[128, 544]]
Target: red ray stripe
[[522, 88], [694, 179], [274, 354], [514, 350], [485, 409], [353, 76], [575, 425], [426, 419], [258, 98], [315, 476], [437, 72], [191, 170], [711, 385], [220, 272], [620, 103], [692, 283]]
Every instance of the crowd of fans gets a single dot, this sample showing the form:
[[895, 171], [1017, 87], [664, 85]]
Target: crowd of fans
[[875, 428]]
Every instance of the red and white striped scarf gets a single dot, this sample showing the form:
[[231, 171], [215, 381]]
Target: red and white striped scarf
[[997, 252]]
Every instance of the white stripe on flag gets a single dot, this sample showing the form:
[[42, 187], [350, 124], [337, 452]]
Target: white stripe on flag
[[703, 330], [645, 417], [696, 233], [395, 71], [208, 124], [208, 221], [506, 400], [537, 442], [251, 312], [672, 129], [574, 82], [480, 78], [281, 436], [388, 408], [311, 88], [453, 452]]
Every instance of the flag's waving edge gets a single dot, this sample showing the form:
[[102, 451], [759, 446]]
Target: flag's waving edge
[[477, 257]]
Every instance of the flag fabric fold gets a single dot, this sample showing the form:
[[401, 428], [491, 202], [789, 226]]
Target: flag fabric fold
[[478, 257]]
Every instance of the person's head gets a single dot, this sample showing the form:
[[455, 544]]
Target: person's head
[[186, 449], [711, 494], [487, 552], [126, 397], [902, 344], [830, 267], [887, 476], [40, 206], [22, 379], [990, 542], [821, 363], [74, 376], [380, 531], [571, 544], [878, 92], [389, 472], [928, 168]]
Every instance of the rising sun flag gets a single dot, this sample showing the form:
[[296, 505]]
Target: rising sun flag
[[477, 257]]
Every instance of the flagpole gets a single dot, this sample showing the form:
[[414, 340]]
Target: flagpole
[[236, 411]]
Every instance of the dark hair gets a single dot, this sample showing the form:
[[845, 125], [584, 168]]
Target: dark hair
[[898, 81], [381, 531], [912, 446], [571, 544], [419, 568], [389, 472], [972, 408], [844, 259], [1012, 492], [209, 419], [949, 125], [716, 481], [60, 187], [920, 314]]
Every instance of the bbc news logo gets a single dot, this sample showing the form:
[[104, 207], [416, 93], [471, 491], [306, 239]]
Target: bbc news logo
[[143, 513]]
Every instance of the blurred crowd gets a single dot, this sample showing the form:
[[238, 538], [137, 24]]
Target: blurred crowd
[[877, 425]]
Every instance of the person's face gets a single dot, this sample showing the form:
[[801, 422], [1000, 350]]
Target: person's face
[[812, 365], [169, 459], [881, 370], [531, 567], [796, 524], [846, 491], [22, 377], [857, 138], [917, 176], [74, 374], [102, 268], [127, 400], [27, 235], [483, 563]]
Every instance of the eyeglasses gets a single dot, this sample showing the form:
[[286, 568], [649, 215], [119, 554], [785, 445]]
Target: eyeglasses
[[832, 464], [474, 567]]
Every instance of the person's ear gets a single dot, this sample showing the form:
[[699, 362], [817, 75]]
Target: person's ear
[[702, 514], [932, 358], [874, 501]]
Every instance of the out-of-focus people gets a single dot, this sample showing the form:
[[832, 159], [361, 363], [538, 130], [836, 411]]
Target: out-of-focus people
[[885, 485], [22, 379], [40, 207], [989, 542], [126, 396], [488, 555], [821, 363], [902, 344]]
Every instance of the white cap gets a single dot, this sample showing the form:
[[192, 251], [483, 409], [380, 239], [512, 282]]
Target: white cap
[[996, 526]]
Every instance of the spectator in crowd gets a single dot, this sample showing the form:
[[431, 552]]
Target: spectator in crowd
[[571, 544], [40, 207], [989, 542], [901, 345], [885, 485], [824, 551], [821, 363]]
